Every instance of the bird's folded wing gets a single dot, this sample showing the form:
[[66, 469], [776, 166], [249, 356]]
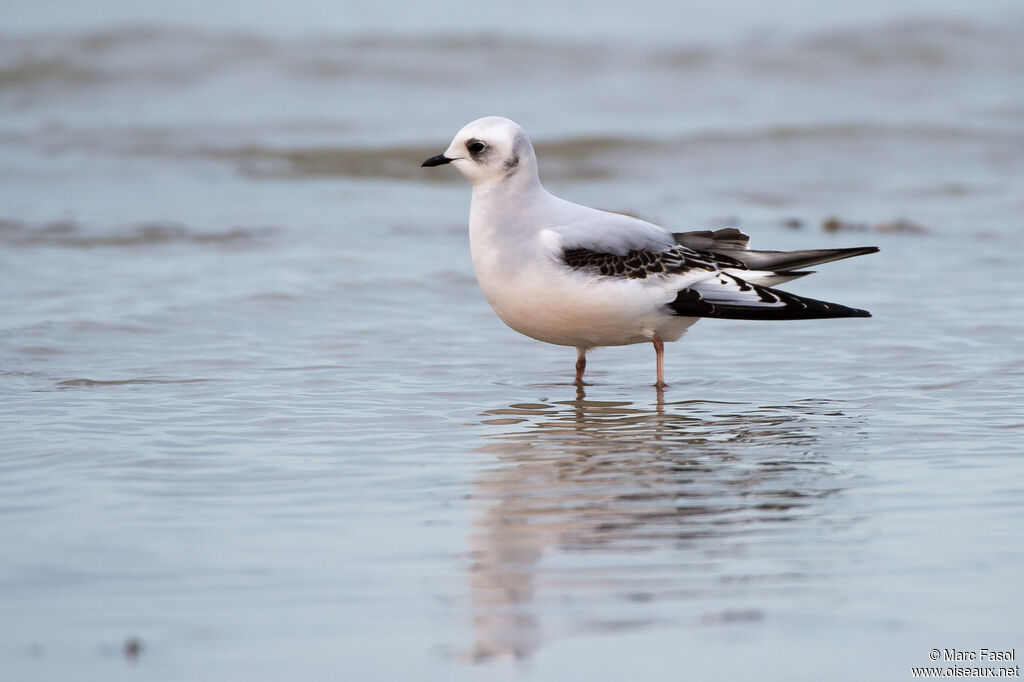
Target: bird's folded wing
[[612, 233]]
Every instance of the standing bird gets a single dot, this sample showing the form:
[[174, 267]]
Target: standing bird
[[576, 276]]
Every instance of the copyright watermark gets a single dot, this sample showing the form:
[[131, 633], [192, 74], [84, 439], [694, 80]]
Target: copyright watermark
[[970, 663]]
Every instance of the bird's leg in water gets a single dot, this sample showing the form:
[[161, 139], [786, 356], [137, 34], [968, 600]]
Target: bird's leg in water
[[659, 353], [581, 365]]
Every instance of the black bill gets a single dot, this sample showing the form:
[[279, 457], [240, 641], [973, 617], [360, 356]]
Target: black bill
[[438, 160]]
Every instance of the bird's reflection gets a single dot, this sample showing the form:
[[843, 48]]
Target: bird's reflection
[[594, 507]]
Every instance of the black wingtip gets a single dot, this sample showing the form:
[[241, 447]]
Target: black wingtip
[[691, 303]]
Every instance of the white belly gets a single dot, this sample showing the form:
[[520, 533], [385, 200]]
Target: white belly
[[550, 304]]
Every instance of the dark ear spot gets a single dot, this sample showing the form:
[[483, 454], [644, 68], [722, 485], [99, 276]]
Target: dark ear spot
[[519, 147]]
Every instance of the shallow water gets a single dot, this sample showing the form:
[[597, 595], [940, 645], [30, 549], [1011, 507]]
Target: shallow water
[[256, 414]]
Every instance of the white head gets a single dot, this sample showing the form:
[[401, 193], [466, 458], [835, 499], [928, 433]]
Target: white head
[[488, 150]]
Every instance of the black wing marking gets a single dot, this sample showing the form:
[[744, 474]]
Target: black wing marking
[[728, 297], [640, 264]]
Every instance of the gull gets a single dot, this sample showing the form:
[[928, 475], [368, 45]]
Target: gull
[[577, 276]]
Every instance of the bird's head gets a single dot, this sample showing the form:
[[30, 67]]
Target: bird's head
[[488, 150]]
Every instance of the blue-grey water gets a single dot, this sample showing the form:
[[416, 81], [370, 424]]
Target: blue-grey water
[[257, 422]]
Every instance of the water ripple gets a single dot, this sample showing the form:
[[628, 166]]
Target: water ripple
[[699, 485]]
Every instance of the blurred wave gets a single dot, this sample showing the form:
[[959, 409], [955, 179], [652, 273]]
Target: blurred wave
[[69, 234], [924, 93], [582, 157], [162, 52]]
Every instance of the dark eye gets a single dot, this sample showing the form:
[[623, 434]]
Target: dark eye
[[475, 147]]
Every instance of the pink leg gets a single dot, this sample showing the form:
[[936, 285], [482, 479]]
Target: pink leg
[[581, 365], [659, 352]]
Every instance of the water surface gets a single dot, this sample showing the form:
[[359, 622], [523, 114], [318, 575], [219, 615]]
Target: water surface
[[257, 417]]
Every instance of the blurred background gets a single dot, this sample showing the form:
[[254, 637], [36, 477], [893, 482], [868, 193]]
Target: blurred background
[[258, 422]]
